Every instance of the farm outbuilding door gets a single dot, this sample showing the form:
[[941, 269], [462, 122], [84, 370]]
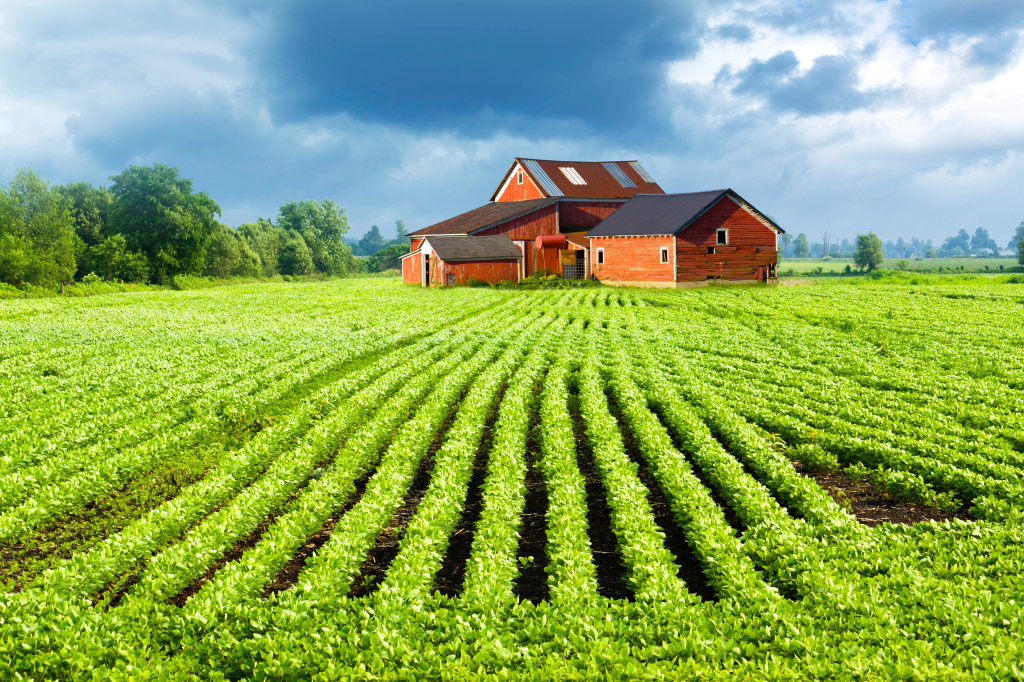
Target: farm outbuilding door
[[573, 263]]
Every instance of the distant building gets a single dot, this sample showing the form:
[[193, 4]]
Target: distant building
[[607, 220]]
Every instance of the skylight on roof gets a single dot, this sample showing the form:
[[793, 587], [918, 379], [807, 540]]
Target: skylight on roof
[[618, 174], [574, 177], [641, 172]]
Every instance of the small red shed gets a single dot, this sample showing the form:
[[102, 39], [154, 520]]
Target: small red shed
[[452, 260], [685, 240]]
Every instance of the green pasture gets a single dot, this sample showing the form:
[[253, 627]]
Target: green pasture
[[789, 267]]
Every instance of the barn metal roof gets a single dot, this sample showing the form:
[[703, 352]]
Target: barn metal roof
[[650, 214], [491, 247], [483, 217], [601, 181]]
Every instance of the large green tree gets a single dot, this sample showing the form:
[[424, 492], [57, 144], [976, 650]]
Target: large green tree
[[265, 240], [38, 245], [321, 224], [111, 260], [229, 255], [869, 252], [89, 206], [159, 214]]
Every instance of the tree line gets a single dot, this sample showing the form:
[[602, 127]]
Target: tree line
[[963, 244], [150, 225]]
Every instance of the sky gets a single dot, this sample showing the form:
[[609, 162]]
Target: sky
[[902, 118]]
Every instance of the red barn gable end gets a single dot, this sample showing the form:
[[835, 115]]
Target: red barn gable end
[[683, 240]]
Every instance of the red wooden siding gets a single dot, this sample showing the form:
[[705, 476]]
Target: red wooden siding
[[492, 271], [584, 213], [751, 246], [415, 242], [529, 226], [631, 259], [516, 192], [412, 269]]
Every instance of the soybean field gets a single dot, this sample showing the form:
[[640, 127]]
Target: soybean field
[[355, 479]]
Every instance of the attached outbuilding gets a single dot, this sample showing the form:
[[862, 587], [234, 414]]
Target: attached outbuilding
[[447, 260], [685, 240]]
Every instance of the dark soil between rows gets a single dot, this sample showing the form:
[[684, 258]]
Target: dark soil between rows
[[689, 568], [532, 583], [452, 574], [873, 506], [604, 544], [387, 546]]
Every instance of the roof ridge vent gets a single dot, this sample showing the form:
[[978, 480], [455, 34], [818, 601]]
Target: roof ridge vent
[[573, 176]]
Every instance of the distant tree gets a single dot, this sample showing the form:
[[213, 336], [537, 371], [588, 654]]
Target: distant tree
[[388, 258], [295, 258], [111, 260], [38, 244], [785, 244], [372, 241], [1018, 242], [400, 230], [929, 253], [89, 206], [956, 246], [869, 251], [981, 240], [159, 214], [801, 248]]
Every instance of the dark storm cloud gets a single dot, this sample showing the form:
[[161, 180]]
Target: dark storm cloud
[[830, 85], [458, 63]]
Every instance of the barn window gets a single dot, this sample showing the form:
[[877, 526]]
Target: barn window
[[600, 256], [711, 250], [519, 176], [723, 236], [664, 254]]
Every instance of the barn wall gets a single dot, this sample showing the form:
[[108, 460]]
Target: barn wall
[[514, 192], [492, 271], [751, 246], [415, 242], [584, 213], [631, 259], [410, 271], [529, 226]]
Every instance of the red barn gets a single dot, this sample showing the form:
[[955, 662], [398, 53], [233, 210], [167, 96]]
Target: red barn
[[538, 198], [452, 260], [685, 240]]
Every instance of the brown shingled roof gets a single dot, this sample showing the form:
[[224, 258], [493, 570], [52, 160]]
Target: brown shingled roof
[[485, 216], [493, 247], [600, 183]]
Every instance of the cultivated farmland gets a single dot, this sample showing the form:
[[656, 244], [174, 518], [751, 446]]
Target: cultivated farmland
[[355, 479]]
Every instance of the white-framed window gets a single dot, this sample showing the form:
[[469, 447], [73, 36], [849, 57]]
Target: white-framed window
[[519, 177], [664, 254], [723, 236], [600, 256]]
